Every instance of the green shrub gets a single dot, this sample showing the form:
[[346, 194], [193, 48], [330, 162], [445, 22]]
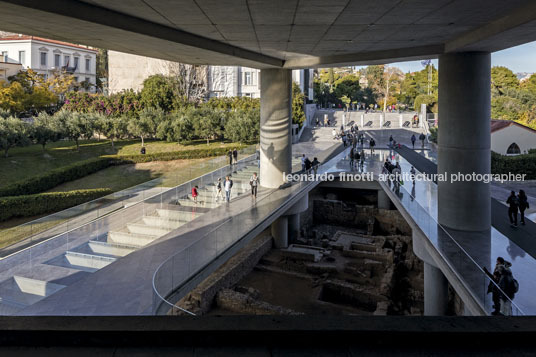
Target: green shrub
[[55, 177], [520, 164], [172, 155], [41, 203], [433, 135]]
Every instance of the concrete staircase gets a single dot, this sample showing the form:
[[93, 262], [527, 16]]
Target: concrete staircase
[[19, 292]]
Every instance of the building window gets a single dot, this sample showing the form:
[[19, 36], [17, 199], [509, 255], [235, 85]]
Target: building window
[[4, 56], [76, 79], [57, 61], [43, 60], [88, 65], [513, 149], [66, 60], [76, 60], [247, 78], [22, 57]]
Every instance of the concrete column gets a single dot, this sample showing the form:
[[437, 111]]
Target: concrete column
[[384, 202], [276, 124], [464, 139], [436, 295], [280, 232], [362, 120], [423, 115], [400, 120], [381, 120], [293, 227]]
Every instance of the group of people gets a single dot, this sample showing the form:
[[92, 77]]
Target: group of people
[[233, 157], [503, 287], [357, 158], [307, 164], [517, 203]]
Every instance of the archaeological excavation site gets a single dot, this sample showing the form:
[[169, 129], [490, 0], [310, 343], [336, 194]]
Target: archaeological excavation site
[[352, 255]]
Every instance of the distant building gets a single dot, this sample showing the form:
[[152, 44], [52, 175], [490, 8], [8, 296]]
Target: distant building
[[9, 69], [128, 71], [46, 56], [511, 138]]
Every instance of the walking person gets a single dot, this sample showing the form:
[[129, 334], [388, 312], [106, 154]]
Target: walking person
[[357, 158], [413, 140], [303, 163], [523, 205], [372, 144], [219, 191], [493, 286], [227, 187], [412, 173], [308, 164], [235, 156], [254, 182], [422, 137], [352, 158], [391, 141], [513, 206], [334, 133], [315, 164], [194, 193], [509, 287], [362, 158]]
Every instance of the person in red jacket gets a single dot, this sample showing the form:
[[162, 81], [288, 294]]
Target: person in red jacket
[[194, 193]]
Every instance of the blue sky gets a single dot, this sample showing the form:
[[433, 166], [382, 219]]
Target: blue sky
[[518, 59]]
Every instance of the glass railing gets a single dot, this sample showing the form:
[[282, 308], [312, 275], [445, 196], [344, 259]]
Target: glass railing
[[91, 246], [171, 277], [25, 235], [447, 242]]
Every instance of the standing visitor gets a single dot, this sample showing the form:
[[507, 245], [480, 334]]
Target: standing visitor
[[230, 154], [513, 205], [422, 137], [523, 205], [412, 173], [413, 140], [362, 158], [194, 193], [509, 287], [307, 164], [227, 186], [254, 182], [354, 141], [391, 141], [334, 133], [303, 162], [372, 144], [219, 192], [235, 156], [352, 158]]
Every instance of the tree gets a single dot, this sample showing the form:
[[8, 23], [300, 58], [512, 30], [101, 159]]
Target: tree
[[157, 92], [207, 122], [298, 114], [73, 125], [113, 127], [188, 82], [243, 125], [530, 84], [147, 123], [348, 86], [43, 130], [503, 79], [182, 126], [13, 132]]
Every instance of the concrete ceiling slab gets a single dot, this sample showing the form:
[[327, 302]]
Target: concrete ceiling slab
[[260, 33]]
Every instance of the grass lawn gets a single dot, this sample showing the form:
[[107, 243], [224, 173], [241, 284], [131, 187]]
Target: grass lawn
[[32, 160]]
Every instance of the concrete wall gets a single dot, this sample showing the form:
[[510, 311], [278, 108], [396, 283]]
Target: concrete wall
[[502, 139]]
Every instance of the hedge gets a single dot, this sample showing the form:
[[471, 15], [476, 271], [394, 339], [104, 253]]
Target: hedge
[[520, 164], [55, 177], [41, 203], [81, 169]]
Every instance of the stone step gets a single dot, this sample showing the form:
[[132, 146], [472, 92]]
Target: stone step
[[189, 203], [118, 250], [177, 215], [140, 228], [132, 239], [90, 261], [18, 292], [164, 222]]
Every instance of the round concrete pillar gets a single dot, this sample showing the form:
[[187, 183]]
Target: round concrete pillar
[[293, 227], [464, 139], [280, 232], [436, 295], [275, 127], [384, 202]]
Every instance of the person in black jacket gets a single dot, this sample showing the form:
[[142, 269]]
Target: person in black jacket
[[523, 205], [513, 205]]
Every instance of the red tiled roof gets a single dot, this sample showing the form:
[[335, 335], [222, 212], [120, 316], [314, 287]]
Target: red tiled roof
[[497, 124], [25, 37]]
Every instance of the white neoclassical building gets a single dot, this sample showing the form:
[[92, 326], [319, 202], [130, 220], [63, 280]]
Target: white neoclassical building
[[47, 56], [511, 138]]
